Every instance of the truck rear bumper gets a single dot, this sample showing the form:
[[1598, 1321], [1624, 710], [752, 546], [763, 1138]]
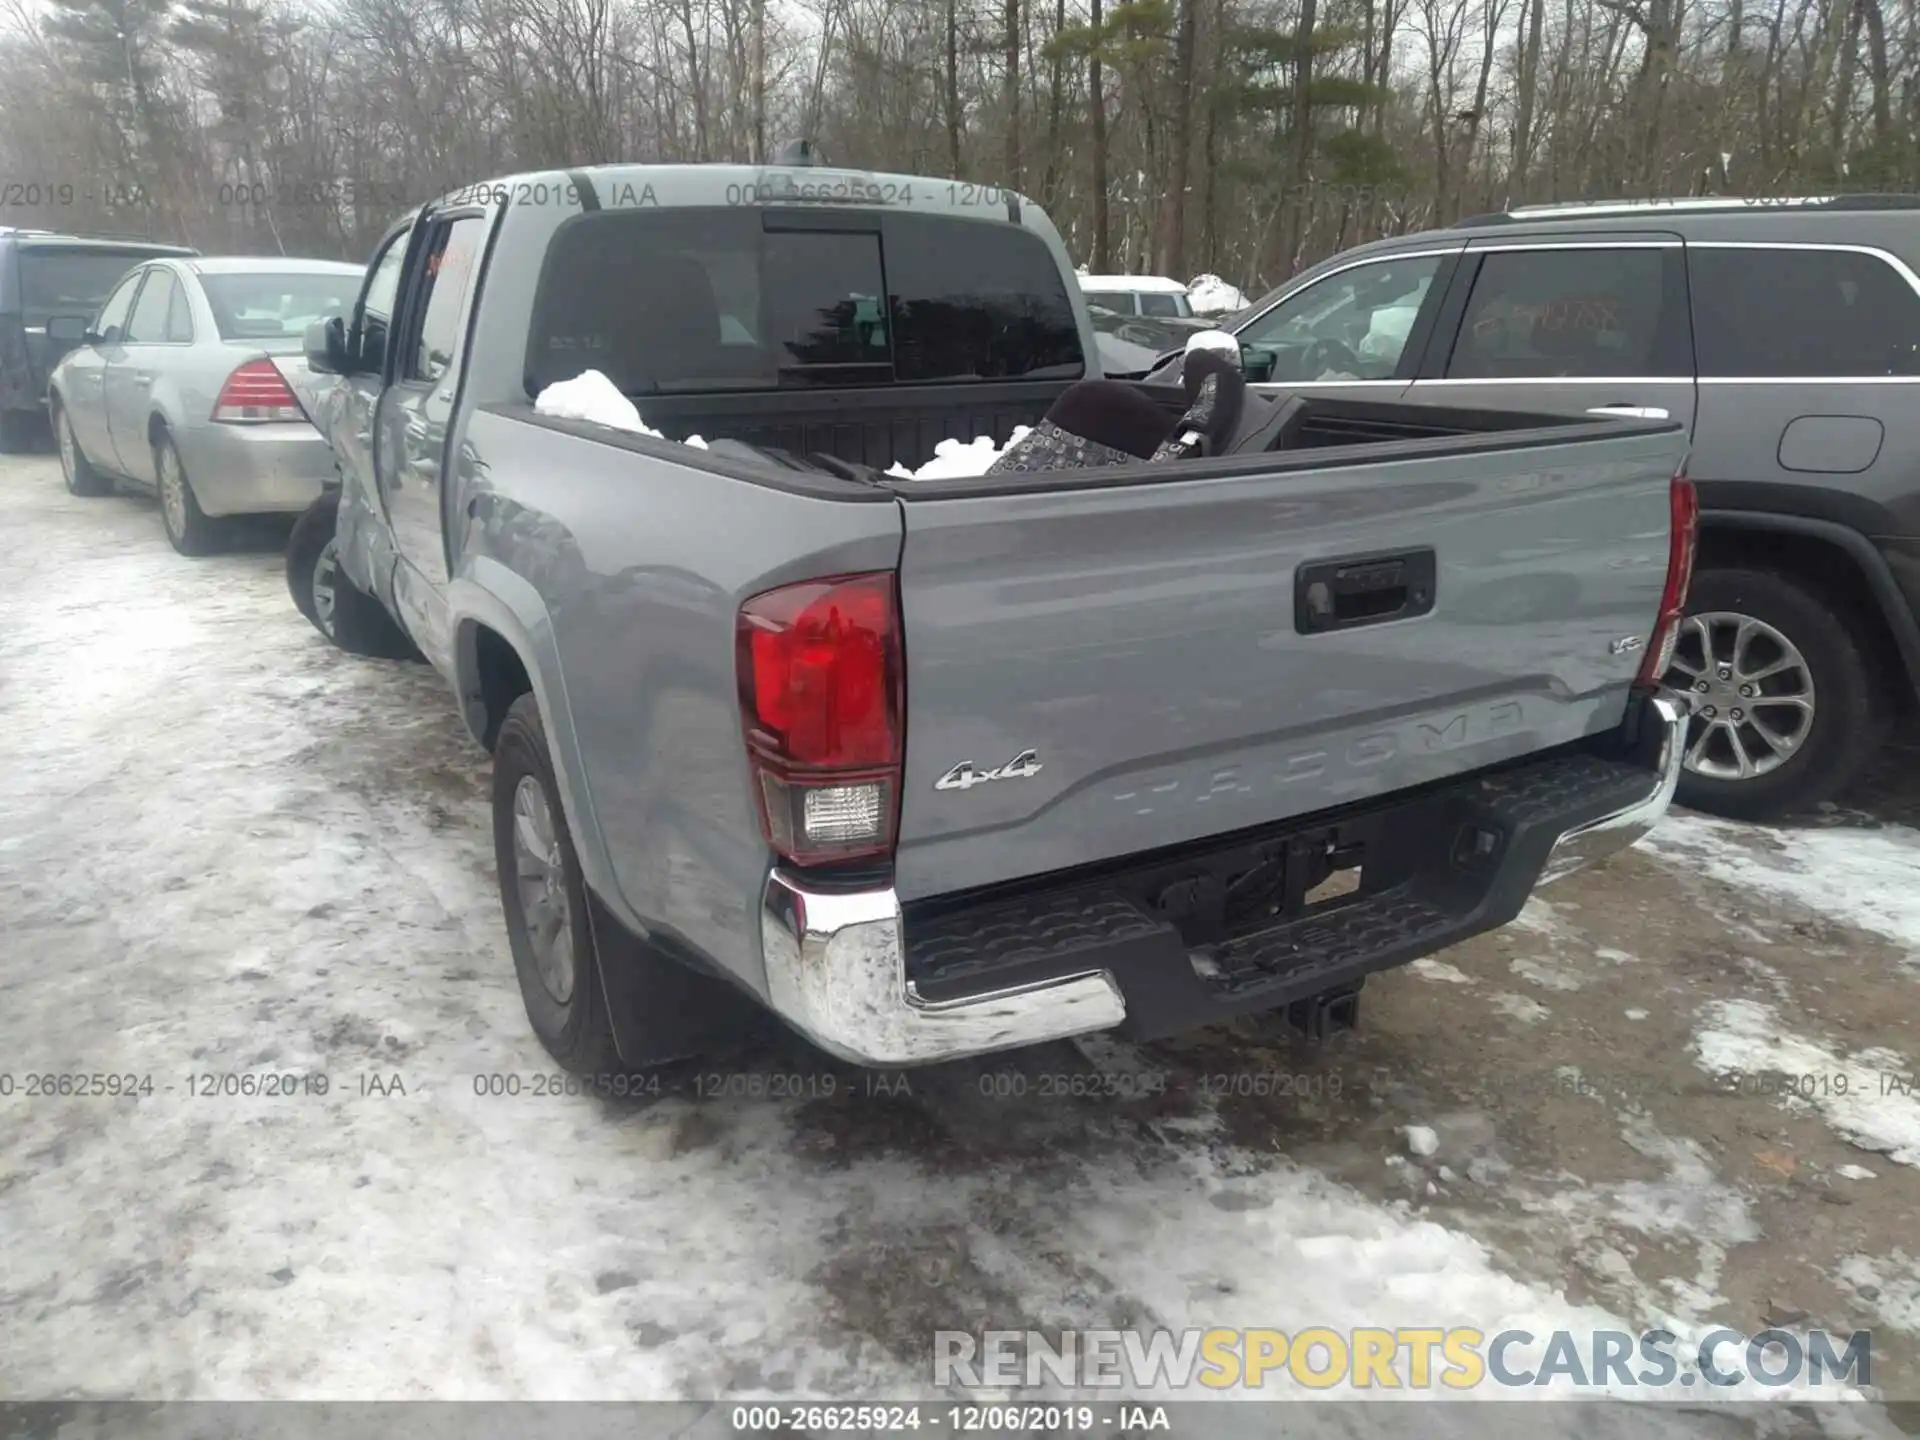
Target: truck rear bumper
[[882, 986]]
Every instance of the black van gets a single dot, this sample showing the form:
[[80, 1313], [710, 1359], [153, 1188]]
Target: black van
[[50, 287]]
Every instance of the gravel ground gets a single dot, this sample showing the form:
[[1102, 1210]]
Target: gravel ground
[[1678, 1091]]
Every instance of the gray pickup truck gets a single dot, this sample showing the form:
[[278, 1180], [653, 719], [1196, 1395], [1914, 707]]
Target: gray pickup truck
[[937, 767]]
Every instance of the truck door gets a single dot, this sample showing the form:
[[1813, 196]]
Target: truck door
[[415, 415], [362, 528], [1555, 325]]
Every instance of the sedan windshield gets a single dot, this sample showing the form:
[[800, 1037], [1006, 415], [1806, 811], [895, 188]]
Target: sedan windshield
[[276, 306]]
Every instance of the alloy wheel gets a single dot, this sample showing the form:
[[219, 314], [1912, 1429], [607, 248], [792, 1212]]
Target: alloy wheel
[[1752, 691], [540, 876], [326, 576], [173, 493]]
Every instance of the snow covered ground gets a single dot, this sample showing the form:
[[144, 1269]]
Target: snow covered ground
[[227, 850]]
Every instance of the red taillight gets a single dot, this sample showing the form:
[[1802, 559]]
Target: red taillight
[[1684, 503], [256, 391], [821, 682]]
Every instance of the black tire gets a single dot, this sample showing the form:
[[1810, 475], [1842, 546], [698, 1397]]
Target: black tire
[[670, 1013], [189, 529], [82, 479], [576, 1030], [1853, 709], [353, 619]]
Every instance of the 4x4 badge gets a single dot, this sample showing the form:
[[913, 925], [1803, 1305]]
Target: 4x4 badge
[[965, 775]]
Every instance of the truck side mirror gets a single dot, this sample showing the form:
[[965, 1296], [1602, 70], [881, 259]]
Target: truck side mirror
[[71, 328], [326, 346]]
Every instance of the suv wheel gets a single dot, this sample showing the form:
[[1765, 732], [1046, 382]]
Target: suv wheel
[[1786, 707], [321, 591]]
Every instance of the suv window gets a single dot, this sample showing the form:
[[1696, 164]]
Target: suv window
[[69, 282], [113, 314], [732, 299], [1163, 303], [1117, 301], [1813, 313], [448, 265], [1352, 325], [1575, 313], [149, 323]]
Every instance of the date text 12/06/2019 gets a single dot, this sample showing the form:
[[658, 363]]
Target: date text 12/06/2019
[[1049, 1419]]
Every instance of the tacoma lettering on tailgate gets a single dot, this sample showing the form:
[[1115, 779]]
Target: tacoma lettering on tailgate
[[1427, 736]]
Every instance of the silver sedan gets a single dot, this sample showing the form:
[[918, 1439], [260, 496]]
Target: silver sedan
[[192, 382]]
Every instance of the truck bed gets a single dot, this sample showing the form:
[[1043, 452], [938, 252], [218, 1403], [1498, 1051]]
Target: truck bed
[[1149, 632], [880, 428]]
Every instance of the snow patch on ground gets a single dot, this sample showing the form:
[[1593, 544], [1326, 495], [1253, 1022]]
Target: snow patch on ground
[[1688, 1205], [1891, 1286], [1743, 1039], [1429, 969], [1519, 1007], [1545, 974], [1850, 874], [1538, 917]]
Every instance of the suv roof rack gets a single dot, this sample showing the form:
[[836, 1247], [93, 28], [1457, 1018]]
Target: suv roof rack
[[1601, 209], [109, 237]]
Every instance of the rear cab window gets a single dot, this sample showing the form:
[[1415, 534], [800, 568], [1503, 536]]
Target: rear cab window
[[730, 299]]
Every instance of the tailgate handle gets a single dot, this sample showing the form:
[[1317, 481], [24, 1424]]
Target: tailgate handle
[[1363, 590]]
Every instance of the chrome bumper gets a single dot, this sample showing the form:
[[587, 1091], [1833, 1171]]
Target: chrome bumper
[[836, 961], [836, 971], [1594, 841]]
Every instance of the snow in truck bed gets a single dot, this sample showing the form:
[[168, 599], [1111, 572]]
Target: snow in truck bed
[[592, 396]]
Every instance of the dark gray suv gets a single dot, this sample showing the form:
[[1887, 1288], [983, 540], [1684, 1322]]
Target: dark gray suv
[[1785, 334]]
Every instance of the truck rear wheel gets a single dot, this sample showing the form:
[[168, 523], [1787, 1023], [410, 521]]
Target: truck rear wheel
[[332, 603], [1787, 705], [668, 1013], [544, 897]]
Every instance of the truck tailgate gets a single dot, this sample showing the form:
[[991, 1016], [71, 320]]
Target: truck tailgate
[[1145, 642]]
